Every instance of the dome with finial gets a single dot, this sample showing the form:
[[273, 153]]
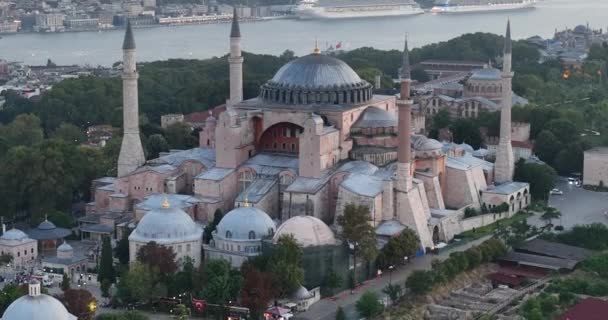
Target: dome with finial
[[37, 306], [166, 224], [245, 223], [316, 79], [14, 234]]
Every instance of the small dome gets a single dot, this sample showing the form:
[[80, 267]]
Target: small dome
[[37, 306], [307, 230], [14, 234], [246, 223], [65, 247], [422, 143], [466, 147], [46, 225], [301, 293], [374, 117], [166, 224]]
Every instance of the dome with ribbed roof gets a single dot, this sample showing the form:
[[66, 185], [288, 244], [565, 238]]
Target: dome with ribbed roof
[[245, 223], [316, 79]]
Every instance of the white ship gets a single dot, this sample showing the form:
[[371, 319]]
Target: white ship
[[332, 9], [457, 6]]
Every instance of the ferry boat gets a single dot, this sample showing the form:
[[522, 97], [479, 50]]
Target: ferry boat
[[458, 6], [332, 9]]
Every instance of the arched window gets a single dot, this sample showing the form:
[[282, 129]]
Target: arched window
[[251, 235], [228, 235]]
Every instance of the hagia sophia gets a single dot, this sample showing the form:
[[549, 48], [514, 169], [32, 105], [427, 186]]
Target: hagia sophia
[[288, 161]]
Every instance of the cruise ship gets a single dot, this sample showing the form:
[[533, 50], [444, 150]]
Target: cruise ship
[[332, 9], [456, 6]]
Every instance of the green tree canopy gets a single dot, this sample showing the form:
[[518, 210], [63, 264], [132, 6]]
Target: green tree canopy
[[106, 264], [286, 263], [359, 233], [368, 305]]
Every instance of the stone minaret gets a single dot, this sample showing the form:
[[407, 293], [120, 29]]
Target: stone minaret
[[404, 156], [236, 63], [505, 162], [131, 151]]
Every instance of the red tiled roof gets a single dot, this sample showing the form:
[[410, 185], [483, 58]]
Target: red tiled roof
[[587, 309]]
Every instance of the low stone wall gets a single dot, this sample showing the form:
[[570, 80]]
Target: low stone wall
[[482, 220]]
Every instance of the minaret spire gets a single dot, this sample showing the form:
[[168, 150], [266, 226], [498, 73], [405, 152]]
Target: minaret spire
[[131, 154], [404, 105], [405, 66], [504, 166], [236, 62]]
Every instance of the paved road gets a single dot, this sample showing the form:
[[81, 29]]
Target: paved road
[[326, 308], [578, 206]]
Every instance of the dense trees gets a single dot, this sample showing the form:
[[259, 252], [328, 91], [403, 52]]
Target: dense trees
[[541, 177], [423, 281], [140, 283], [222, 282], [80, 302], [286, 263], [258, 290], [397, 248], [158, 257], [106, 264], [359, 233], [368, 305]]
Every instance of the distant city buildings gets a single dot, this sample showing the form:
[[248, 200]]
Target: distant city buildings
[[569, 46], [60, 16]]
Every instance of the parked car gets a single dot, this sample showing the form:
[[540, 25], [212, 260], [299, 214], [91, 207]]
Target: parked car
[[556, 192]]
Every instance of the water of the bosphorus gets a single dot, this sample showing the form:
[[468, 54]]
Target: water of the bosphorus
[[275, 36]]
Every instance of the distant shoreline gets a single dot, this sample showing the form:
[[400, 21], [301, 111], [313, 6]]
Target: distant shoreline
[[150, 26]]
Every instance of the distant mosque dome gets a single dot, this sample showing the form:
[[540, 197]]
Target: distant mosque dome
[[37, 306], [301, 294], [316, 79], [245, 223], [373, 117], [307, 230], [14, 234], [166, 225]]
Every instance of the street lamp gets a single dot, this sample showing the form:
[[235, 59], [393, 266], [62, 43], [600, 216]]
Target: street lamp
[[390, 274]]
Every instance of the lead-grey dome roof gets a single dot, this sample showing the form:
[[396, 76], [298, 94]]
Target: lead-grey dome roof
[[240, 222], [166, 225], [316, 70], [374, 117], [307, 230], [316, 79], [14, 234], [41, 307]]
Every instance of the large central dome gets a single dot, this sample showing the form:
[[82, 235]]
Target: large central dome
[[316, 79]]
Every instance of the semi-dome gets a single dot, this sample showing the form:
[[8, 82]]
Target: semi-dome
[[14, 234], [37, 306], [307, 230], [374, 117], [166, 224], [422, 143], [245, 223], [316, 79]]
